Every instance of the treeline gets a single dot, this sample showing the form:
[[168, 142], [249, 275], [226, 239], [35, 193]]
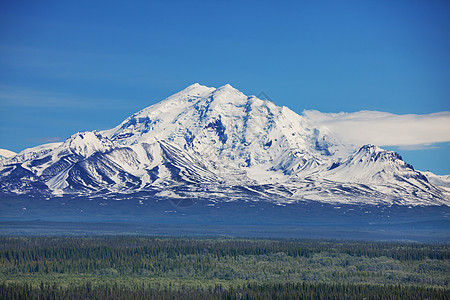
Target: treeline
[[217, 258], [107, 247], [16, 291]]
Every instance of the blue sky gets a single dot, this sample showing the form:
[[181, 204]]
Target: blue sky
[[68, 66]]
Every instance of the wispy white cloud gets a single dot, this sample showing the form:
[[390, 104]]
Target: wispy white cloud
[[45, 140], [13, 96], [410, 131], [101, 67]]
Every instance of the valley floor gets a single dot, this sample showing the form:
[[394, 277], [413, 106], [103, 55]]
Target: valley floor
[[139, 215]]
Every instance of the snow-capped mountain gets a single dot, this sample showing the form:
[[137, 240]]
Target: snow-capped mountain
[[218, 144]]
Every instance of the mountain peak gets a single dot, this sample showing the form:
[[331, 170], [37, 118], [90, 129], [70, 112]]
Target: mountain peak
[[193, 89], [376, 152], [88, 143], [370, 148], [226, 86], [194, 86]]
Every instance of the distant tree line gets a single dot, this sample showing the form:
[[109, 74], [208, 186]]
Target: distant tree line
[[108, 247]]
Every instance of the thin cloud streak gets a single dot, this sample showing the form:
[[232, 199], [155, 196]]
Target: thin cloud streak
[[11, 96], [409, 131], [71, 65], [45, 140]]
